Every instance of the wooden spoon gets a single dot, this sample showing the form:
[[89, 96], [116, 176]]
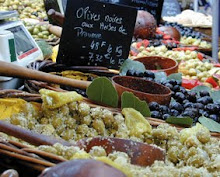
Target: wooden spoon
[[12, 70], [57, 17], [56, 30], [30, 136], [140, 153]]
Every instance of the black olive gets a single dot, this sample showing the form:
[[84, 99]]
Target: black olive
[[188, 105], [185, 101], [149, 74], [130, 72], [155, 114], [148, 78], [141, 74], [199, 105], [174, 112], [153, 106], [165, 116], [212, 108], [214, 117], [183, 90], [176, 88], [179, 97], [177, 106], [204, 93], [169, 86], [191, 112], [192, 96], [164, 109], [173, 82], [205, 100]]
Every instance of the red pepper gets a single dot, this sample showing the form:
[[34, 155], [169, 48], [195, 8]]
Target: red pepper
[[146, 43], [133, 53], [168, 41], [177, 42], [190, 83], [217, 88], [158, 31], [212, 81], [139, 44], [200, 56], [166, 36], [164, 41], [185, 48], [217, 65]]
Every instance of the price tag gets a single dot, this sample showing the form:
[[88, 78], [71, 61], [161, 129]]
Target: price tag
[[171, 8], [152, 6], [96, 33]]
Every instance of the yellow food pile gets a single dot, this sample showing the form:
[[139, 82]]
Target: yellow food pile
[[164, 52], [190, 152], [26, 8]]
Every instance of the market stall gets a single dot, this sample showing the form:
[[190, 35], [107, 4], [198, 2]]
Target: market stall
[[105, 88]]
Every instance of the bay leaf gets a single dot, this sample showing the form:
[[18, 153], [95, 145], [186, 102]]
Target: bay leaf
[[199, 88], [212, 125], [129, 100], [180, 120], [215, 96], [175, 76], [102, 91], [160, 76], [131, 65]]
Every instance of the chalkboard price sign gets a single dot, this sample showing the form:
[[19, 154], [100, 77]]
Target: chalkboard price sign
[[96, 34], [171, 8], [152, 6]]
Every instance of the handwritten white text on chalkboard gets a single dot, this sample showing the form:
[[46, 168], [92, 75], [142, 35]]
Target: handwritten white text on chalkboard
[[96, 58], [110, 23], [86, 14], [113, 19], [82, 33], [110, 27], [96, 33], [146, 2], [87, 25]]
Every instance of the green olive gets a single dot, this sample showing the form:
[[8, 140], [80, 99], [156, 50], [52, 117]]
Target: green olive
[[46, 33], [45, 37], [40, 35], [43, 28], [36, 31]]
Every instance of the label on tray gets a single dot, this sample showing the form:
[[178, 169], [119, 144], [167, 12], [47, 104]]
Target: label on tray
[[152, 6], [96, 34]]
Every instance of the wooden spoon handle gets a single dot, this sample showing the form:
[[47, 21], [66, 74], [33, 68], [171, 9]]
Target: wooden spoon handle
[[12, 70], [56, 30], [29, 136], [56, 16]]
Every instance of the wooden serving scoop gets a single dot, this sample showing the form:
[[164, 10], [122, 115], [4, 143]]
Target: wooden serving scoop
[[57, 17], [12, 70], [56, 30], [30, 136], [140, 153]]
